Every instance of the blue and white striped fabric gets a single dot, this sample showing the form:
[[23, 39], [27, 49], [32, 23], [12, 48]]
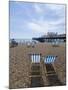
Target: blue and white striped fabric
[[49, 59]]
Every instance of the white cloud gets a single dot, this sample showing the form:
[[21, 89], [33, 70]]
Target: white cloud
[[38, 27], [46, 26], [57, 9], [37, 8], [54, 6]]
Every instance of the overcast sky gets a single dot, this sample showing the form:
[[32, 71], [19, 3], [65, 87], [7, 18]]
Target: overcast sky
[[29, 20]]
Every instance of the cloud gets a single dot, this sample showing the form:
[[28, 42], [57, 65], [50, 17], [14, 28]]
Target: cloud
[[34, 19], [47, 26], [44, 24], [54, 6], [51, 9], [37, 27], [37, 8], [57, 9]]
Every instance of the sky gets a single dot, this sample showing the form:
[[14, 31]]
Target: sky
[[28, 20]]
